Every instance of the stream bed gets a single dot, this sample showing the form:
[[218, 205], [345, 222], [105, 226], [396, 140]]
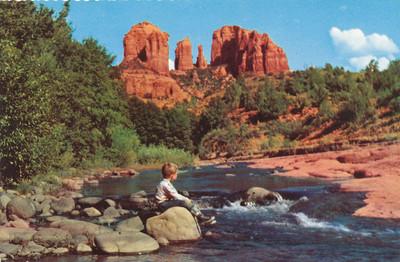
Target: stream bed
[[320, 228]]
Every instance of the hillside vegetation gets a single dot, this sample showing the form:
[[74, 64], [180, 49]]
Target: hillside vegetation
[[63, 107], [308, 108], [60, 107]]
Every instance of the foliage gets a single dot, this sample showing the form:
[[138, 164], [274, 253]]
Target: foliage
[[270, 103], [170, 127], [359, 105], [125, 144], [230, 141], [58, 103], [161, 154]]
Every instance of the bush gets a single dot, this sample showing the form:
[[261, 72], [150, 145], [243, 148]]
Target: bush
[[395, 104], [360, 104], [230, 141], [161, 154], [291, 130], [270, 103], [273, 142], [125, 142]]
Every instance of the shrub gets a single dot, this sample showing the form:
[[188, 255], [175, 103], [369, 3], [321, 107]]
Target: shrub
[[270, 103], [273, 142], [125, 142], [359, 106], [230, 141], [160, 154]]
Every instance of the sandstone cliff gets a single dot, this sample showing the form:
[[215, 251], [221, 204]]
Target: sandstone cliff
[[183, 55], [201, 62], [144, 69], [247, 51], [146, 43]]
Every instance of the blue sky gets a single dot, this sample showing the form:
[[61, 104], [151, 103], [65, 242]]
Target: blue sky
[[312, 32]]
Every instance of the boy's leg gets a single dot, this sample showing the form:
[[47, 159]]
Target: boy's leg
[[189, 205], [171, 203]]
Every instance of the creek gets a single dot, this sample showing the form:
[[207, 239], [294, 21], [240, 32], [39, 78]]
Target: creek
[[320, 228]]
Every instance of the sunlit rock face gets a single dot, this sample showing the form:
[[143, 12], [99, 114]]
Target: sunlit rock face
[[243, 50]]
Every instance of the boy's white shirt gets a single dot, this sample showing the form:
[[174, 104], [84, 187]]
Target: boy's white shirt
[[166, 191]]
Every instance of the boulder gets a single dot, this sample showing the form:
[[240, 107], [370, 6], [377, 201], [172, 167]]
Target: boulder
[[261, 196], [77, 227], [16, 235], [3, 218], [45, 208], [175, 224], [60, 251], [133, 224], [4, 199], [21, 207], [244, 50], [55, 218], [79, 239], [110, 202], [63, 205], [91, 212], [126, 243], [111, 212], [75, 212], [4, 235], [17, 222], [139, 194], [163, 241], [52, 237], [138, 200], [31, 249], [39, 198], [10, 249], [90, 201], [183, 55], [83, 248]]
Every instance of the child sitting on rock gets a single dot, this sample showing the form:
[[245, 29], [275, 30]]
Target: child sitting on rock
[[167, 196]]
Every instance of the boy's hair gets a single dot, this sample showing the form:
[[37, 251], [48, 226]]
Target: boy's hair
[[169, 169]]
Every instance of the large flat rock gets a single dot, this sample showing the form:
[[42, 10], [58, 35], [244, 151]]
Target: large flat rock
[[126, 243], [175, 224]]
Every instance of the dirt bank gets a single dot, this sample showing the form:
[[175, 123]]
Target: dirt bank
[[374, 170]]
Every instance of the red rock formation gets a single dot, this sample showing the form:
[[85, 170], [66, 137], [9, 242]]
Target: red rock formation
[[144, 69], [201, 62], [147, 44], [183, 55], [146, 84], [247, 51]]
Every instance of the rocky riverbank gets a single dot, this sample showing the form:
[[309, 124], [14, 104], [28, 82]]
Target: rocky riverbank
[[35, 225], [374, 170], [38, 224]]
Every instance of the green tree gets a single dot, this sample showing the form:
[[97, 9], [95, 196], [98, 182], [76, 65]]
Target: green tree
[[270, 103], [360, 104], [179, 129]]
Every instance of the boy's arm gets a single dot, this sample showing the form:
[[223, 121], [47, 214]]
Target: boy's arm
[[171, 191]]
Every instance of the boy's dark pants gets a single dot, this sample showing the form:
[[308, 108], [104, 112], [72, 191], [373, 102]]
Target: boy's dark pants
[[180, 203]]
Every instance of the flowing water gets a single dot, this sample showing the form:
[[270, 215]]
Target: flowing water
[[320, 228]]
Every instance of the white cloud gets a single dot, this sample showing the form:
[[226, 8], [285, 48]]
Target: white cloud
[[383, 63], [360, 62], [171, 64], [360, 49], [355, 41]]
